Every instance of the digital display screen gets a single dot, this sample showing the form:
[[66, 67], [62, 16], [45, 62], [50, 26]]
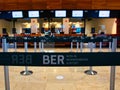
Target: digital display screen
[[103, 13], [17, 14], [77, 13], [60, 13], [33, 14]]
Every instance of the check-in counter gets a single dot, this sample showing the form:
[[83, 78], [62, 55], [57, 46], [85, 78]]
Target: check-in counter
[[65, 35], [27, 35], [34, 35]]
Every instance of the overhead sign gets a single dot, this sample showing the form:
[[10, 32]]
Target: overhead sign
[[17, 14], [60, 13], [60, 59], [77, 13], [33, 14], [104, 13]]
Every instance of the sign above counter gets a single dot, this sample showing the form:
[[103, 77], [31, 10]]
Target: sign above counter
[[59, 14]]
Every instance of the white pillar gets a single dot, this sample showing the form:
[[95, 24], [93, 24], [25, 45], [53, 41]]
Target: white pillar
[[66, 25], [34, 25]]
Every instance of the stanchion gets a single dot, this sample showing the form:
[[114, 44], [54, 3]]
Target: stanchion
[[112, 69], [100, 45], [81, 46], [77, 47], [26, 71], [71, 49], [91, 71], [6, 68], [15, 45], [42, 46], [35, 46], [110, 45]]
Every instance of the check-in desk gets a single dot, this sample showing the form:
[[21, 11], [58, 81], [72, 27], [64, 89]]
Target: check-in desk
[[60, 44], [21, 44]]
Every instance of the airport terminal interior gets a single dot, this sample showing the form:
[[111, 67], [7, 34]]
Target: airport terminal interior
[[59, 44], [59, 78]]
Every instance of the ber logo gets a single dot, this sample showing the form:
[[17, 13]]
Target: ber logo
[[53, 59]]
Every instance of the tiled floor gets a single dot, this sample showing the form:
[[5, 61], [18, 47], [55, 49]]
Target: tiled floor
[[74, 78]]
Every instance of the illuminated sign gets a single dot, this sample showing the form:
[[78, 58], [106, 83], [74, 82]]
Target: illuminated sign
[[17, 14], [60, 13], [103, 13], [33, 14], [77, 13]]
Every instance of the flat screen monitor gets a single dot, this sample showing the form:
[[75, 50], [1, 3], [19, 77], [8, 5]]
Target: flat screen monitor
[[17, 14], [42, 30], [78, 30], [33, 14], [104, 13], [77, 13], [82, 30], [60, 13], [53, 30], [27, 30], [13, 30], [92, 30], [4, 30]]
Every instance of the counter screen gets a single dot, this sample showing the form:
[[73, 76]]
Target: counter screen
[[77, 13], [60, 13], [103, 13], [33, 14], [17, 14]]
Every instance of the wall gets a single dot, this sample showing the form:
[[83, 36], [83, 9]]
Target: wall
[[89, 24], [18, 27], [110, 25], [58, 4], [7, 25]]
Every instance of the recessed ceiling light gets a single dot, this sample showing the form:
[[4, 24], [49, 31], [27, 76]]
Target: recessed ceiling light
[[60, 77]]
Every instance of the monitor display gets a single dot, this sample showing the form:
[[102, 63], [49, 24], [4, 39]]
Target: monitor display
[[92, 30], [104, 13], [27, 30], [60, 13], [17, 14], [77, 13], [33, 14], [42, 30], [4, 30], [13, 30], [82, 30], [78, 30]]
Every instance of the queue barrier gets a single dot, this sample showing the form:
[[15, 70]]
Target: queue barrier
[[58, 39], [59, 59]]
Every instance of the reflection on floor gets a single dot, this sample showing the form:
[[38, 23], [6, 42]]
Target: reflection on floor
[[74, 78]]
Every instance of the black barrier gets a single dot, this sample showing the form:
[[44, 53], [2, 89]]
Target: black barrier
[[60, 59], [59, 39]]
